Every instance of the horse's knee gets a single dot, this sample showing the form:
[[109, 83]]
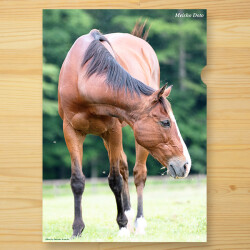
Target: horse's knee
[[77, 183], [140, 174], [125, 193], [115, 183], [124, 169]]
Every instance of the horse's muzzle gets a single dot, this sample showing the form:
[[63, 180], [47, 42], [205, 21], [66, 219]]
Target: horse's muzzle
[[178, 170]]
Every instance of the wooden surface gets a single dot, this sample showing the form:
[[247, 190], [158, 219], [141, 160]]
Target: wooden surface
[[227, 76]]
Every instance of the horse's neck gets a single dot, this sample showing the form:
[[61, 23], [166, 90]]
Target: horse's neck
[[124, 107]]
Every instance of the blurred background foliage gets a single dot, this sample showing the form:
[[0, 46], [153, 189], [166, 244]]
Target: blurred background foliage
[[180, 45]]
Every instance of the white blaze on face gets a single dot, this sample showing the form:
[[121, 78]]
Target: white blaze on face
[[185, 151]]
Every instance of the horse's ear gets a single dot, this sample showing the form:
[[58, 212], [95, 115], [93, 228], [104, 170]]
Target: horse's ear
[[167, 91], [162, 92]]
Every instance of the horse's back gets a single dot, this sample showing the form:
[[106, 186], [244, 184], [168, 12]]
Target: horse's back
[[137, 57], [134, 54]]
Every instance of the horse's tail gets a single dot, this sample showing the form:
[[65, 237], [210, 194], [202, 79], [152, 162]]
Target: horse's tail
[[139, 29]]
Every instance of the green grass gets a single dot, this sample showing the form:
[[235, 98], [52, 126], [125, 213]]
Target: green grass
[[175, 211]]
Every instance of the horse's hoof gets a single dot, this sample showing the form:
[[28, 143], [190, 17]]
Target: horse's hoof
[[130, 216], [124, 232], [76, 235], [77, 230], [140, 225]]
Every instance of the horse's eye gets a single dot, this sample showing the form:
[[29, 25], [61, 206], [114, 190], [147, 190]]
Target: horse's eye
[[165, 123]]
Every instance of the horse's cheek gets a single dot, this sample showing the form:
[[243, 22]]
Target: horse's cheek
[[146, 135], [139, 132]]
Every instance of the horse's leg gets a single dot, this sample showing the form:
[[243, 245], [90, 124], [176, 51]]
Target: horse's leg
[[113, 143], [125, 191], [140, 176], [74, 140]]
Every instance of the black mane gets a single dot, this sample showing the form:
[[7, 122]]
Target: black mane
[[103, 63]]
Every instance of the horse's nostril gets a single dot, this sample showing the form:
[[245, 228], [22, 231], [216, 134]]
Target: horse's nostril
[[185, 166]]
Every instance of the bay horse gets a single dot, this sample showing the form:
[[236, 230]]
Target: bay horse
[[106, 82]]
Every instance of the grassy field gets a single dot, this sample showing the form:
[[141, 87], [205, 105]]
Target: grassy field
[[175, 211]]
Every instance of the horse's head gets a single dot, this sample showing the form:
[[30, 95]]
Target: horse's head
[[157, 131]]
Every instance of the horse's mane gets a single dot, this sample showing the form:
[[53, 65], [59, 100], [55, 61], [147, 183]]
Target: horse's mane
[[101, 62]]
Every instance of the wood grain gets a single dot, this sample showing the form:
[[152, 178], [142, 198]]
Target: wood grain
[[227, 76]]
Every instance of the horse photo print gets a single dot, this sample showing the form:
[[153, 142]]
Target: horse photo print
[[124, 126]]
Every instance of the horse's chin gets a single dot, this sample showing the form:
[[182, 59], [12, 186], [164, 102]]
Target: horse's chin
[[171, 173], [162, 162], [174, 177]]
